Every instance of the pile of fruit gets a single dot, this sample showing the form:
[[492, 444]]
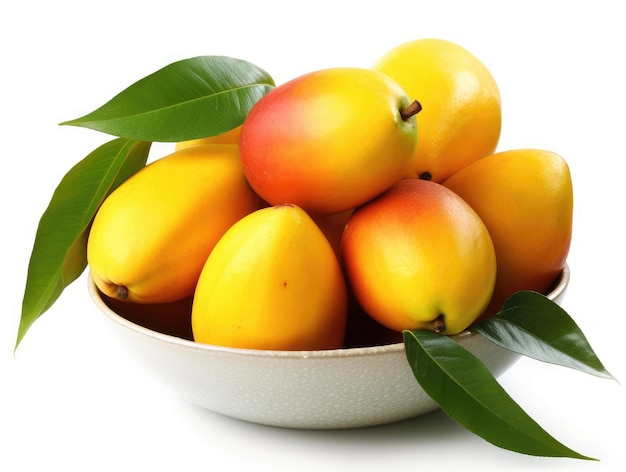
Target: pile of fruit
[[344, 193]]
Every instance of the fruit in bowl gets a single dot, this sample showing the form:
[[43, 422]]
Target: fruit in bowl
[[329, 140], [461, 118], [150, 237], [271, 282], [419, 257]]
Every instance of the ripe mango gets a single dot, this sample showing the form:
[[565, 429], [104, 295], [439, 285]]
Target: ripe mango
[[461, 118], [419, 257], [272, 282], [329, 140], [525, 198], [152, 235]]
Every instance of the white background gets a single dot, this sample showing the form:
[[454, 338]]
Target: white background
[[71, 399]]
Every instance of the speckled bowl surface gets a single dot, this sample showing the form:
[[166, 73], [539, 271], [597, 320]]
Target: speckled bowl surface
[[334, 389]]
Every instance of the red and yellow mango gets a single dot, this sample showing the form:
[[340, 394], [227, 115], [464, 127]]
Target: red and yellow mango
[[329, 140]]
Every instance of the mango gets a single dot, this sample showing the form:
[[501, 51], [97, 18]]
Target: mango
[[461, 118], [151, 236], [271, 282], [329, 140], [525, 198], [419, 257]]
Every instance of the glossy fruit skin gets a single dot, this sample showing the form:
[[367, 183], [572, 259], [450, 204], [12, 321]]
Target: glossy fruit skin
[[272, 282], [229, 137], [416, 252], [461, 117], [525, 198], [328, 140], [152, 235]]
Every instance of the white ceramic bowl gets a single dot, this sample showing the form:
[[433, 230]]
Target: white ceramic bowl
[[343, 388]]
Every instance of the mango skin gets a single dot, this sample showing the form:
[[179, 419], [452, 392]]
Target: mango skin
[[461, 119], [328, 140], [416, 253], [272, 282], [152, 235], [525, 197]]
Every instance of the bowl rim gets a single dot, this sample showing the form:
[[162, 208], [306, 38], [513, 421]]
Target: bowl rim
[[557, 290]]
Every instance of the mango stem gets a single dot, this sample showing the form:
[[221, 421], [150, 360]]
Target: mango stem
[[122, 292], [412, 109], [439, 325]]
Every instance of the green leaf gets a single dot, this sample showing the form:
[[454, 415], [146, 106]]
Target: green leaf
[[467, 391], [533, 325], [59, 251], [189, 99]]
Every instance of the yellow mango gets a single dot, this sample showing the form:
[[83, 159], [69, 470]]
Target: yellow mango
[[151, 236], [462, 118], [525, 198], [272, 282]]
